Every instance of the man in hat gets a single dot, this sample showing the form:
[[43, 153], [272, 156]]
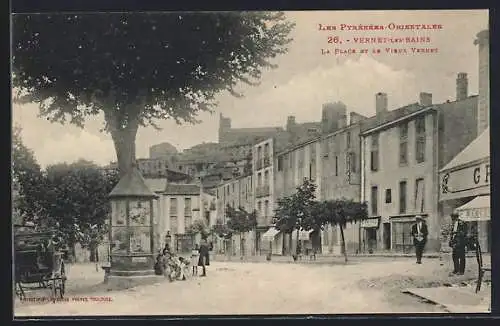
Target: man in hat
[[419, 233], [457, 243]]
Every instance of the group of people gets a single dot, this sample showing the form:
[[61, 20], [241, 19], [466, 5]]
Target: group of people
[[177, 267], [458, 241]]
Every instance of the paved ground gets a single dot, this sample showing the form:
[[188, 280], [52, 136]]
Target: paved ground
[[361, 286]]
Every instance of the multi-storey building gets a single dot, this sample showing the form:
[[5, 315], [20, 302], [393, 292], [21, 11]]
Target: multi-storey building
[[341, 178], [263, 177], [465, 180], [182, 205], [293, 165], [402, 151], [236, 193]]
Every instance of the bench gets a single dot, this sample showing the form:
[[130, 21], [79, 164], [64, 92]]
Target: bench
[[481, 268]]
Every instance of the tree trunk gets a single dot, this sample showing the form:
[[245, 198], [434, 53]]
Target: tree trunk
[[342, 244], [93, 252], [123, 135]]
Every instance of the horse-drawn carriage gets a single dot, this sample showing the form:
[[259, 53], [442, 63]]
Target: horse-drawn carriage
[[37, 263]]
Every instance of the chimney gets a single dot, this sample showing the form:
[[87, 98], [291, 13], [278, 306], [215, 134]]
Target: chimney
[[483, 108], [290, 123], [462, 85], [425, 99], [380, 103], [342, 121]]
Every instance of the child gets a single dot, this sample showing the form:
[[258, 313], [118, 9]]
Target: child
[[195, 255]]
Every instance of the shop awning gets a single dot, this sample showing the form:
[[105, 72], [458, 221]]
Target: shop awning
[[477, 209], [270, 234], [478, 149], [304, 235]]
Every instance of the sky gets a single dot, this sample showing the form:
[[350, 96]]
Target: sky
[[304, 80]]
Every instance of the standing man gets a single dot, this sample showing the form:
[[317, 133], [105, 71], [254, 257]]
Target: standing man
[[204, 259], [419, 233], [457, 242]]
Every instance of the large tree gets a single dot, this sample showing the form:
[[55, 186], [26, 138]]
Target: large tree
[[138, 68]]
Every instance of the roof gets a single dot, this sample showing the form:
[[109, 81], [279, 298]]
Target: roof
[[132, 185], [478, 149], [389, 117], [156, 184], [182, 189]]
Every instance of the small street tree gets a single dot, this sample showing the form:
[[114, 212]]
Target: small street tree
[[241, 221], [138, 68], [295, 211], [339, 212], [222, 231], [198, 227]]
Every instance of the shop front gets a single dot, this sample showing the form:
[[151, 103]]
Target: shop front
[[272, 242], [369, 229], [465, 188]]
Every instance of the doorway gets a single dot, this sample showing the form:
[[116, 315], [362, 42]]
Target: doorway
[[387, 236], [371, 239]]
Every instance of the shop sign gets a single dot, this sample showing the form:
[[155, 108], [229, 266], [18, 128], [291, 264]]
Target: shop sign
[[467, 181], [370, 223]]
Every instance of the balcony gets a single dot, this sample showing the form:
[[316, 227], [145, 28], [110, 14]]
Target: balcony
[[262, 191], [258, 165], [267, 161]]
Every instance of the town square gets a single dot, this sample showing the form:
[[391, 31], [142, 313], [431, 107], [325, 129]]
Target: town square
[[209, 163]]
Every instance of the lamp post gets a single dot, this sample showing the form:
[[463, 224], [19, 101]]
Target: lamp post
[[299, 222], [131, 233]]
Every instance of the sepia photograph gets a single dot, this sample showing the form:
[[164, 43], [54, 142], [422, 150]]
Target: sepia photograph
[[250, 163]]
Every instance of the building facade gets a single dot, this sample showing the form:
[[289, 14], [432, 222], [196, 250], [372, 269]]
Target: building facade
[[341, 178], [263, 177], [402, 151], [236, 193]]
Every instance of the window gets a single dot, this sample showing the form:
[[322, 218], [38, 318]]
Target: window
[[173, 206], [336, 165], [351, 162], [187, 207], [266, 208], [420, 139], [388, 196], [266, 177], [402, 197], [290, 157], [259, 179], [374, 202], [259, 208], [403, 144], [266, 150], [419, 195], [374, 153], [227, 189], [280, 163], [233, 187], [348, 139], [312, 151]]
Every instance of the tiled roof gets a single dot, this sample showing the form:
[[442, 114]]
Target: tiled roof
[[478, 149], [132, 184], [156, 184], [389, 116], [182, 189]]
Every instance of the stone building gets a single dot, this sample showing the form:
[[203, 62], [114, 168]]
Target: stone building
[[402, 151], [465, 181], [237, 192], [162, 150]]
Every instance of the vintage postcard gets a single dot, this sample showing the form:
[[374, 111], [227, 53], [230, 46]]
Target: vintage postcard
[[251, 163]]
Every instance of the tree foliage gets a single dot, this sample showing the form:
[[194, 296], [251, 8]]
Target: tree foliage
[[221, 229], [198, 227], [138, 68], [239, 220], [76, 201], [339, 212], [297, 211], [27, 180]]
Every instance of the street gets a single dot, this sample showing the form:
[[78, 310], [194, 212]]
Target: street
[[361, 286]]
